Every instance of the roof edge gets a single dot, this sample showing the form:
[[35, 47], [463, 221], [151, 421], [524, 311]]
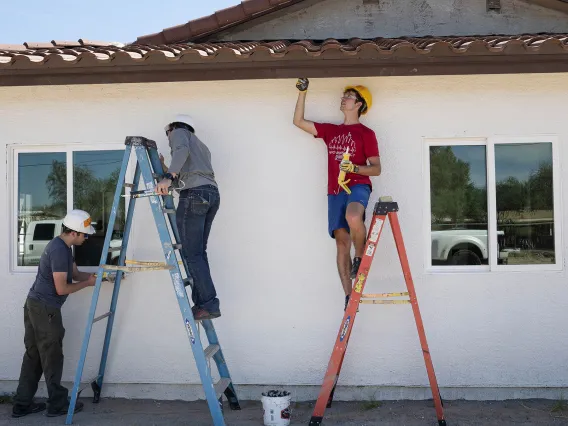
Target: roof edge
[[329, 68], [218, 21]]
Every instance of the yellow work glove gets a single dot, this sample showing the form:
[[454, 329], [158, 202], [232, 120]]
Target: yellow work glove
[[347, 166]]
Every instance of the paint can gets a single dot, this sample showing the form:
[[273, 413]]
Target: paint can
[[276, 408]]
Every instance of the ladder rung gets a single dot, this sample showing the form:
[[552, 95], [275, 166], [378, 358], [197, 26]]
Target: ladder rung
[[385, 302], [100, 317], [128, 185], [111, 249], [221, 385], [211, 350], [377, 295], [169, 211]]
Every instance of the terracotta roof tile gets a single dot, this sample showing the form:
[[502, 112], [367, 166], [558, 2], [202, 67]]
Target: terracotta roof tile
[[31, 45], [73, 52]]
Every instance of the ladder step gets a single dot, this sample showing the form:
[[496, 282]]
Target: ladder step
[[384, 302], [221, 385], [100, 317], [377, 295], [111, 249], [169, 211], [211, 350], [128, 185]]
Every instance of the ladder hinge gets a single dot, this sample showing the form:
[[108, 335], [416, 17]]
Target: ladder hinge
[[382, 208], [140, 141]]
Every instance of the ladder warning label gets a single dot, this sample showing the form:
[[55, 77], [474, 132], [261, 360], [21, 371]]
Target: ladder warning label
[[345, 328], [370, 249], [359, 283], [178, 285], [376, 230], [189, 331]]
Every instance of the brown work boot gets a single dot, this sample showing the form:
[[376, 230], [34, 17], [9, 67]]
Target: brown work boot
[[202, 314]]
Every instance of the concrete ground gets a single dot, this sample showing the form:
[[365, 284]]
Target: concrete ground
[[123, 412]]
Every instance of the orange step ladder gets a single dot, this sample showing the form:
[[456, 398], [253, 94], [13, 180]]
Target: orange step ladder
[[384, 208]]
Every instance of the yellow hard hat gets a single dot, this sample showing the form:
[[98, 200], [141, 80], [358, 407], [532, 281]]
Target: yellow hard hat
[[365, 94]]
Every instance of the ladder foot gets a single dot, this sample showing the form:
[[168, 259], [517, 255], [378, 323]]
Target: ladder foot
[[441, 423], [234, 405], [96, 392], [316, 421]]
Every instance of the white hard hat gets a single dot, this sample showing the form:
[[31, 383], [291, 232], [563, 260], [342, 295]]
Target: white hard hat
[[181, 118], [79, 221]]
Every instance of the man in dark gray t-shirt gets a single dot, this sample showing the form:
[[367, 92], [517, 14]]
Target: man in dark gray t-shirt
[[43, 323]]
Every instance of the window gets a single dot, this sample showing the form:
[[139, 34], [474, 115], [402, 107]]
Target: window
[[492, 204], [44, 231], [50, 181]]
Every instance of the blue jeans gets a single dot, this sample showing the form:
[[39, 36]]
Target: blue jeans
[[194, 216]]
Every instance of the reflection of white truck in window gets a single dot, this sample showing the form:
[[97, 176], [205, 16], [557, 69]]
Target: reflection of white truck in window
[[40, 232], [463, 247]]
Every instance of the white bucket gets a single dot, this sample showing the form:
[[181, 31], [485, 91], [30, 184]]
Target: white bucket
[[276, 410]]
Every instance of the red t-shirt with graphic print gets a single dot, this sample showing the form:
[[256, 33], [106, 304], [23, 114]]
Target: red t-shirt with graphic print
[[362, 144]]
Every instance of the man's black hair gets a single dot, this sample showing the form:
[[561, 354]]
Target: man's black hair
[[65, 230], [180, 125]]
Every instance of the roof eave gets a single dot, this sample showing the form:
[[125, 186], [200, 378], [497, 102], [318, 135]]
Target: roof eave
[[286, 68]]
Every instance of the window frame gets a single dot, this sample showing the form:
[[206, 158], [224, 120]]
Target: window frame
[[13, 204], [490, 142]]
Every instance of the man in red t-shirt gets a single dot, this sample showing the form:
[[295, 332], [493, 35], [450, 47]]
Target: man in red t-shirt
[[346, 212]]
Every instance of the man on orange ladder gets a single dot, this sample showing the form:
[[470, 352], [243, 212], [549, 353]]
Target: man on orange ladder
[[346, 211]]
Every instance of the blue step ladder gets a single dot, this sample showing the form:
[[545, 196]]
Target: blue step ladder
[[148, 161]]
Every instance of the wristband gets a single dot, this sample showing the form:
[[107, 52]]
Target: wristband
[[168, 176]]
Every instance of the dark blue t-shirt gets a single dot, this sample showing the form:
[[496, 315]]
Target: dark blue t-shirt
[[57, 257]]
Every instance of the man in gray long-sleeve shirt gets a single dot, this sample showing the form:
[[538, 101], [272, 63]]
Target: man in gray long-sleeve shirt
[[198, 204]]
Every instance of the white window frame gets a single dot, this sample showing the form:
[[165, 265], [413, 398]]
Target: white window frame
[[68, 149], [489, 143]]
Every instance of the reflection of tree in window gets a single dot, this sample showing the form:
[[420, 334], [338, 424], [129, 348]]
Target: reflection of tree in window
[[458, 192], [454, 196], [525, 201]]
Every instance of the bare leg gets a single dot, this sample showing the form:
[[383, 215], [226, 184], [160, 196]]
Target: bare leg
[[354, 216], [343, 242]]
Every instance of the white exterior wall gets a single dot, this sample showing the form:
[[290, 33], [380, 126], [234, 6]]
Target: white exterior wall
[[272, 260], [391, 18]]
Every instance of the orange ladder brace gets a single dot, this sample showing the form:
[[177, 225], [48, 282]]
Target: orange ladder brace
[[383, 208]]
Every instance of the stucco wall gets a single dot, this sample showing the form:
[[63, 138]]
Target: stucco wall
[[272, 261], [390, 18]]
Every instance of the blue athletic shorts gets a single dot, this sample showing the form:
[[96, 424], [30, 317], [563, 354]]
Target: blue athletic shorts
[[337, 206]]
